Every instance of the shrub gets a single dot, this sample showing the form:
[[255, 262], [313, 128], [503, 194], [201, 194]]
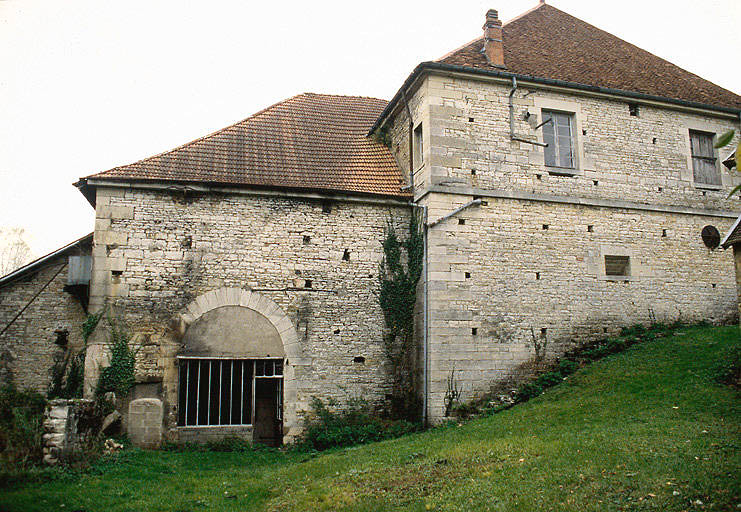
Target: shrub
[[21, 426], [118, 376], [71, 386], [633, 330], [567, 366], [354, 424], [549, 379]]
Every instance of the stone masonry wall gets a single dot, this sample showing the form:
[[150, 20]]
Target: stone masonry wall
[[644, 158], [155, 252], [502, 274], [27, 350], [505, 275]]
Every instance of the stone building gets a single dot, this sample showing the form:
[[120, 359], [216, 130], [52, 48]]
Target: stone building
[[42, 308], [565, 178], [733, 239]]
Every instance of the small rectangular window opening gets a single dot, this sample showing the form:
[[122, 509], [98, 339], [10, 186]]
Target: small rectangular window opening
[[474, 331], [590, 228], [468, 275], [617, 266], [418, 146], [633, 109], [307, 283], [461, 222], [346, 255], [663, 233], [537, 275], [545, 226], [307, 239]]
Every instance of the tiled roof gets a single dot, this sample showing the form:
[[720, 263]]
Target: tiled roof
[[548, 43], [309, 142]]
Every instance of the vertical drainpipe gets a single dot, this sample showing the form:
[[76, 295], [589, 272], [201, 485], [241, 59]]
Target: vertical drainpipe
[[425, 314], [425, 297], [411, 142]]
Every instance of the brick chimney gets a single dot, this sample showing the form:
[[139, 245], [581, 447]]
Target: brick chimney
[[493, 48]]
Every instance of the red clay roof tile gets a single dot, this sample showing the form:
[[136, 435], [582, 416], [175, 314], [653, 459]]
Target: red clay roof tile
[[310, 141], [548, 43]]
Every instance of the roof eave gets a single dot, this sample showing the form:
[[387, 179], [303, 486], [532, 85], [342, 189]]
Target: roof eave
[[86, 190], [724, 243], [195, 185], [30, 267], [440, 66]]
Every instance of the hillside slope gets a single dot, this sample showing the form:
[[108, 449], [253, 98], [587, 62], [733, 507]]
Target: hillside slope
[[648, 429]]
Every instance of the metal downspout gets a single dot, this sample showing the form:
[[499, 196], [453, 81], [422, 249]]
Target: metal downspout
[[512, 135], [512, 109], [425, 308], [411, 142], [425, 315]]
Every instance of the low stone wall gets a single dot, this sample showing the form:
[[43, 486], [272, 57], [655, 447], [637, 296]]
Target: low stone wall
[[61, 433]]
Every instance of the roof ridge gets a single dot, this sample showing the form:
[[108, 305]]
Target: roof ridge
[[529, 50], [203, 137], [225, 128], [635, 47], [341, 96], [461, 47], [541, 3]]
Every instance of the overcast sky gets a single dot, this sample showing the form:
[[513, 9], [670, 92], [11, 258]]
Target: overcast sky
[[89, 85]]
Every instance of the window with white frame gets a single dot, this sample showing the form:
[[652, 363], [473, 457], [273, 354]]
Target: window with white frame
[[704, 162], [418, 146], [221, 392], [558, 133]]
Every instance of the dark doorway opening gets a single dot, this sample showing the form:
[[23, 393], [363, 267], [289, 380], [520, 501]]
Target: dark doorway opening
[[268, 425]]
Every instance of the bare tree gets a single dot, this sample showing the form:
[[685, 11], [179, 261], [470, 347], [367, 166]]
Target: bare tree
[[14, 250]]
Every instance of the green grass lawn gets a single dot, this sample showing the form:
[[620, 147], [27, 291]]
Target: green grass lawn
[[648, 429]]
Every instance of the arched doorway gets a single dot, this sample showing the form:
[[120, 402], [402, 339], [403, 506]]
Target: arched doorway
[[234, 367]]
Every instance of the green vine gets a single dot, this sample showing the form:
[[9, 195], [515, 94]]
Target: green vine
[[398, 292], [118, 376], [91, 322], [382, 136]]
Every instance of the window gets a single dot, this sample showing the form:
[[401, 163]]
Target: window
[[558, 133], [704, 165], [418, 147], [220, 392], [617, 266]]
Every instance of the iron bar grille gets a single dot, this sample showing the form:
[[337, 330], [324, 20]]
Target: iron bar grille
[[220, 392]]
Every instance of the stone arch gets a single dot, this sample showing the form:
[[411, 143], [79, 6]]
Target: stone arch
[[232, 298], [247, 299]]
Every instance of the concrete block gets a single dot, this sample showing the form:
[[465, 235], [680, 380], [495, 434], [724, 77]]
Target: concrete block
[[144, 424]]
